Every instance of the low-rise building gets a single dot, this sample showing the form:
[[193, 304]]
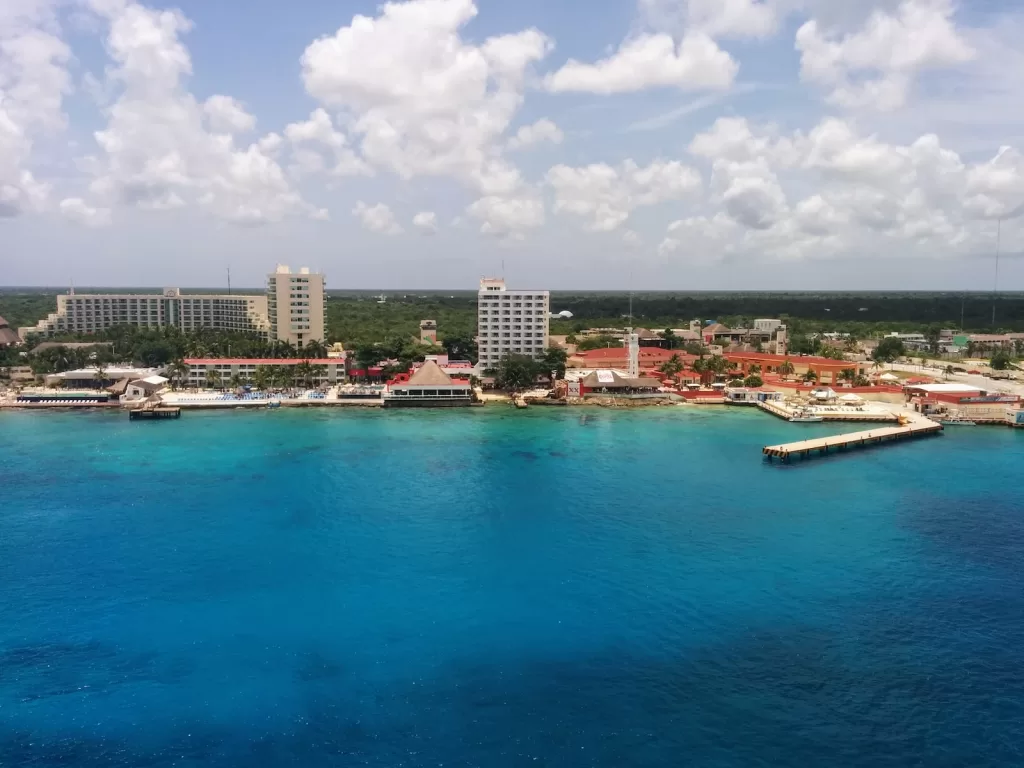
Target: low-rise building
[[97, 378], [8, 336], [329, 370], [140, 389], [428, 386]]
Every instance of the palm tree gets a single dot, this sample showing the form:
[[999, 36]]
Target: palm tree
[[262, 377], [810, 376], [754, 369], [236, 381], [304, 373], [786, 369], [100, 377], [213, 378], [848, 374], [672, 367], [179, 371], [949, 371]]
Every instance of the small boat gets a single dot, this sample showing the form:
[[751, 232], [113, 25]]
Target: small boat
[[806, 417], [957, 421]]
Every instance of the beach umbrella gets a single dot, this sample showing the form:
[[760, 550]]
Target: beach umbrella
[[888, 377]]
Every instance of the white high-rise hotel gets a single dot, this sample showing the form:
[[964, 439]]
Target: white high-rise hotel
[[510, 321]]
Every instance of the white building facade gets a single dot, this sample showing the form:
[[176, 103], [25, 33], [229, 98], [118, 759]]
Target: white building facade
[[510, 322], [295, 306], [91, 313]]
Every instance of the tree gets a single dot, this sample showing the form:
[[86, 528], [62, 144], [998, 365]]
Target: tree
[[695, 348], [848, 374], [179, 371], [304, 373], [889, 349], [1001, 360], [262, 377], [811, 376], [100, 377], [314, 350], [672, 367], [786, 369], [213, 378], [753, 380], [553, 360], [516, 372], [754, 369], [598, 342], [236, 381], [671, 340], [948, 371], [460, 347]]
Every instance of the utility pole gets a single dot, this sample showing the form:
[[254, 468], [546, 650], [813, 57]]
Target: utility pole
[[229, 281]]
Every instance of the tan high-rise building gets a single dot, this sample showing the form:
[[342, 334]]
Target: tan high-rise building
[[295, 306]]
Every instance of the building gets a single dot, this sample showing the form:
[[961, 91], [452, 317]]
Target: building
[[428, 386], [91, 313], [428, 332], [329, 370], [88, 378], [766, 325], [603, 383], [295, 305], [508, 321], [8, 337], [140, 389]]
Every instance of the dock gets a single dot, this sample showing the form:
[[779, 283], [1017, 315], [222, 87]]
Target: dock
[[822, 445], [850, 415], [155, 412]]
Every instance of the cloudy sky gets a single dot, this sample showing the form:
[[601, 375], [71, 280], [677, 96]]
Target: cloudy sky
[[658, 144]]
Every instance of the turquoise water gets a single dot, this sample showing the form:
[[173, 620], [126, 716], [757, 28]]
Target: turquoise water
[[502, 588]]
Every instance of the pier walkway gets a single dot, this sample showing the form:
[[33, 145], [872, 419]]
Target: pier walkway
[[822, 445]]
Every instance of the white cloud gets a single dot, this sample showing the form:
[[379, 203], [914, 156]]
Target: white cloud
[[33, 83], [750, 192], [996, 189], [507, 216], [77, 210], [226, 115], [536, 133], [875, 67], [377, 218], [423, 101], [318, 146], [606, 195], [156, 153], [650, 61], [425, 222], [716, 18]]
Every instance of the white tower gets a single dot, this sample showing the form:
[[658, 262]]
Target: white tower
[[633, 351]]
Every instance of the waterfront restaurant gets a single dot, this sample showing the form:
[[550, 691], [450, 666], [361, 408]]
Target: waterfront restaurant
[[427, 387], [605, 382]]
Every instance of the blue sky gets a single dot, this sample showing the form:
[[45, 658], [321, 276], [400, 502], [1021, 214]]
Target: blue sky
[[674, 144]]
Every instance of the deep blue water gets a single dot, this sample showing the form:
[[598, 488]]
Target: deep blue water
[[312, 588]]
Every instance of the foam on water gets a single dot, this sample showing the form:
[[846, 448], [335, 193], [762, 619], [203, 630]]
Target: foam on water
[[504, 588]]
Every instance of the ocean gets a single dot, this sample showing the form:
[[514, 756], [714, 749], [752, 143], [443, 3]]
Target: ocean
[[499, 588]]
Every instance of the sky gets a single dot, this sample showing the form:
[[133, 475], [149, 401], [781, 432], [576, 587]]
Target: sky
[[612, 144]]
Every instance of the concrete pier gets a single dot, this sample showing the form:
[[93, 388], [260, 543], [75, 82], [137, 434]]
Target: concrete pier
[[823, 445]]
